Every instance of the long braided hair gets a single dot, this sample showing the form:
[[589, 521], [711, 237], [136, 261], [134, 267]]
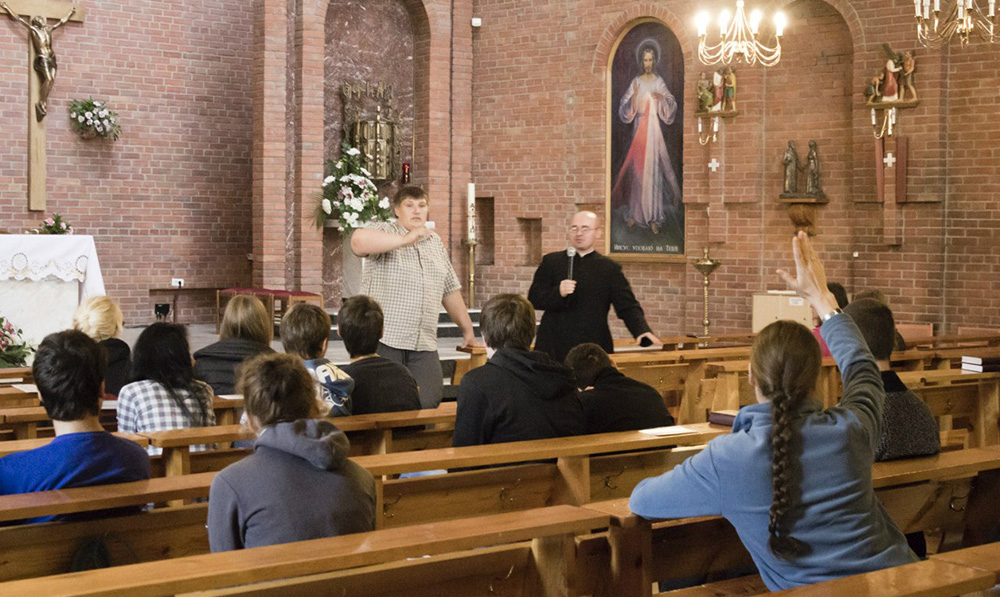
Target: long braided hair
[[785, 361]]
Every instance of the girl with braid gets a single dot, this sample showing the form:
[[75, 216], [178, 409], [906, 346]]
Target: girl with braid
[[794, 480]]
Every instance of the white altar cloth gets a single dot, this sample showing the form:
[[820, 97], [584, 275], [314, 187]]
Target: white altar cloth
[[44, 277]]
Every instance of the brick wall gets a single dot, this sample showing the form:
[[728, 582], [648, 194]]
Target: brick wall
[[539, 101], [171, 197]]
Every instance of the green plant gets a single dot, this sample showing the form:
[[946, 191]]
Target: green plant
[[53, 225], [91, 119], [13, 350]]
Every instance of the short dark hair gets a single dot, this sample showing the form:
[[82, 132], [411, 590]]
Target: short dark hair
[[277, 388], [410, 192], [586, 360], [839, 293], [69, 368], [877, 325], [873, 293], [360, 324], [304, 328], [508, 321]]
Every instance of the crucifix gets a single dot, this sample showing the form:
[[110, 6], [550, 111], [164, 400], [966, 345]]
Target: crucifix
[[890, 180], [34, 15]]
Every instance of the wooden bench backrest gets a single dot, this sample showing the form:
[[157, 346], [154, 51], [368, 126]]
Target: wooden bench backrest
[[316, 556]]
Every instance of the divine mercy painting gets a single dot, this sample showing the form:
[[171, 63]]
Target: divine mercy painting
[[645, 211]]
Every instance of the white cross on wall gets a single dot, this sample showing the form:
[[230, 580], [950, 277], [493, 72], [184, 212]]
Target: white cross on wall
[[889, 160], [714, 164]]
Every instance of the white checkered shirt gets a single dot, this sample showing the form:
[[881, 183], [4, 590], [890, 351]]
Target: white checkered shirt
[[147, 406], [409, 284]]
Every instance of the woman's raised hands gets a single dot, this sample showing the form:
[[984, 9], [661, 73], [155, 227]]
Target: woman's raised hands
[[810, 277]]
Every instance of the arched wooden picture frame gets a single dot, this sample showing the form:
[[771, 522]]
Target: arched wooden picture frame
[[644, 207]]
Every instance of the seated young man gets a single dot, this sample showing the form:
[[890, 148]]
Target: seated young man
[[69, 370], [612, 401], [298, 484], [908, 427], [519, 394], [305, 331], [380, 385]]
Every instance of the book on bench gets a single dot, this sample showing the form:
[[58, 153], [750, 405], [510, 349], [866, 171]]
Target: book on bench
[[984, 368], [723, 417], [983, 361]]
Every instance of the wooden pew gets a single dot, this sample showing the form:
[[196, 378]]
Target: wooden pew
[[13, 397], [552, 531], [920, 494], [927, 578], [16, 375], [982, 557], [24, 421]]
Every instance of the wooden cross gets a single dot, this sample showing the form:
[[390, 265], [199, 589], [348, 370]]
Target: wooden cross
[[890, 178], [48, 9]]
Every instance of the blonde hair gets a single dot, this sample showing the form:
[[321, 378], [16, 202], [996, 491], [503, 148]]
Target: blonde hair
[[99, 317], [247, 318]]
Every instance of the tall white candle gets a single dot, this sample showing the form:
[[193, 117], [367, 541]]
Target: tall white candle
[[472, 211]]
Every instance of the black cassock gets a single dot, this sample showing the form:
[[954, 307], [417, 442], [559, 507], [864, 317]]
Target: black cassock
[[582, 316]]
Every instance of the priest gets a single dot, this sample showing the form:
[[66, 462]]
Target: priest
[[576, 288]]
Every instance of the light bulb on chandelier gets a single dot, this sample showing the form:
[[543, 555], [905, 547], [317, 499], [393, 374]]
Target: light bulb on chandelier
[[965, 20], [740, 38]]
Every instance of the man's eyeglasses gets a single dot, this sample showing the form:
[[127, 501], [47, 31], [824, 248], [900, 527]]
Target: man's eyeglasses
[[583, 229]]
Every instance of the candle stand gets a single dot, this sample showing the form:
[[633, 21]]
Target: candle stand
[[705, 266]]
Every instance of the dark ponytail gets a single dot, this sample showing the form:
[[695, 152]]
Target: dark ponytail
[[785, 360]]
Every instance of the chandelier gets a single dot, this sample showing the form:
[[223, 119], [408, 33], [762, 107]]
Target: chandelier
[[739, 38], [963, 20]]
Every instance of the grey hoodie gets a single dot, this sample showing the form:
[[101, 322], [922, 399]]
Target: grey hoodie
[[297, 485]]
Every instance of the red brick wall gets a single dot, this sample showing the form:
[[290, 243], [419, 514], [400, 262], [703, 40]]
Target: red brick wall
[[539, 102], [171, 197]]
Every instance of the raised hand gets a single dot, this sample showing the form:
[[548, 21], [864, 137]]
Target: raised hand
[[810, 276]]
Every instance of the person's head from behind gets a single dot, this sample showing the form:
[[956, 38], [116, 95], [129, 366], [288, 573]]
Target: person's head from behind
[[584, 228], [276, 388], [877, 325], [247, 318], [839, 293], [508, 321], [785, 362], [69, 371], [99, 317], [411, 205], [587, 360], [873, 293], [161, 354], [360, 323], [305, 330]]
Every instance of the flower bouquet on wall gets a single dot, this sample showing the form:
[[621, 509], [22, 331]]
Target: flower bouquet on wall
[[14, 351], [350, 197], [91, 119], [53, 225]]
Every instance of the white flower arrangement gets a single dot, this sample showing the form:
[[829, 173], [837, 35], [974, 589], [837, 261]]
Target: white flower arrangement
[[91, 119], [349, 195]]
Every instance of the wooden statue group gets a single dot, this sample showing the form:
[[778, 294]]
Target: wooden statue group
[[894, 83]]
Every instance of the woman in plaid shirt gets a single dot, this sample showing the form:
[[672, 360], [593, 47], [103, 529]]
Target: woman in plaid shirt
[[165, 394]]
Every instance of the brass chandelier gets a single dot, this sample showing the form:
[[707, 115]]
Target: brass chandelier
[[739, 38], [965, 20]]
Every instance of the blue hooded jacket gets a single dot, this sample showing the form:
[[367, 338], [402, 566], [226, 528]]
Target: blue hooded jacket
[[837, 514]]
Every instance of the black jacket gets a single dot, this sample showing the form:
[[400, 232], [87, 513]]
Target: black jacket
[[619, 403], [216, 363], [582, 316], [119, 365], [517, 395]]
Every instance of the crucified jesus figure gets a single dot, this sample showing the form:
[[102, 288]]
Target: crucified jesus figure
[[45, 57]]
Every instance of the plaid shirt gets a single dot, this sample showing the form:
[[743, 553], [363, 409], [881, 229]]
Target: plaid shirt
[[409, 284], [147, 406]]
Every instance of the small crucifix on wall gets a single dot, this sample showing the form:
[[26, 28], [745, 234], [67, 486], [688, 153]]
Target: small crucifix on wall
[[42, 68]]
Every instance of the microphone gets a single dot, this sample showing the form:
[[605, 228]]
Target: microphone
[[570, 252]]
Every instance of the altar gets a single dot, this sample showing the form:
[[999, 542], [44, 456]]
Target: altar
[[43, 278]]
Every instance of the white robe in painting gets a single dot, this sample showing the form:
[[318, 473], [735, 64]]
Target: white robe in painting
[[647, 180]]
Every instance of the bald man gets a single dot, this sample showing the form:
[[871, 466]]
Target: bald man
[[576, 309]]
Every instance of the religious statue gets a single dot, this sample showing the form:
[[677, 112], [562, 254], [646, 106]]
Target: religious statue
[[45, 57], [873, 89], [704, 90], [812, 173], [906, 76], [791, 164], [729, 89], [718, 90]]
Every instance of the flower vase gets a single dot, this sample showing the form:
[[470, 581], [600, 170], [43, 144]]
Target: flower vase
[[351, 268]]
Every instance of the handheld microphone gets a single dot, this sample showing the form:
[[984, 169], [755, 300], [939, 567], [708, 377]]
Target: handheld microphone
[[571, 253]]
